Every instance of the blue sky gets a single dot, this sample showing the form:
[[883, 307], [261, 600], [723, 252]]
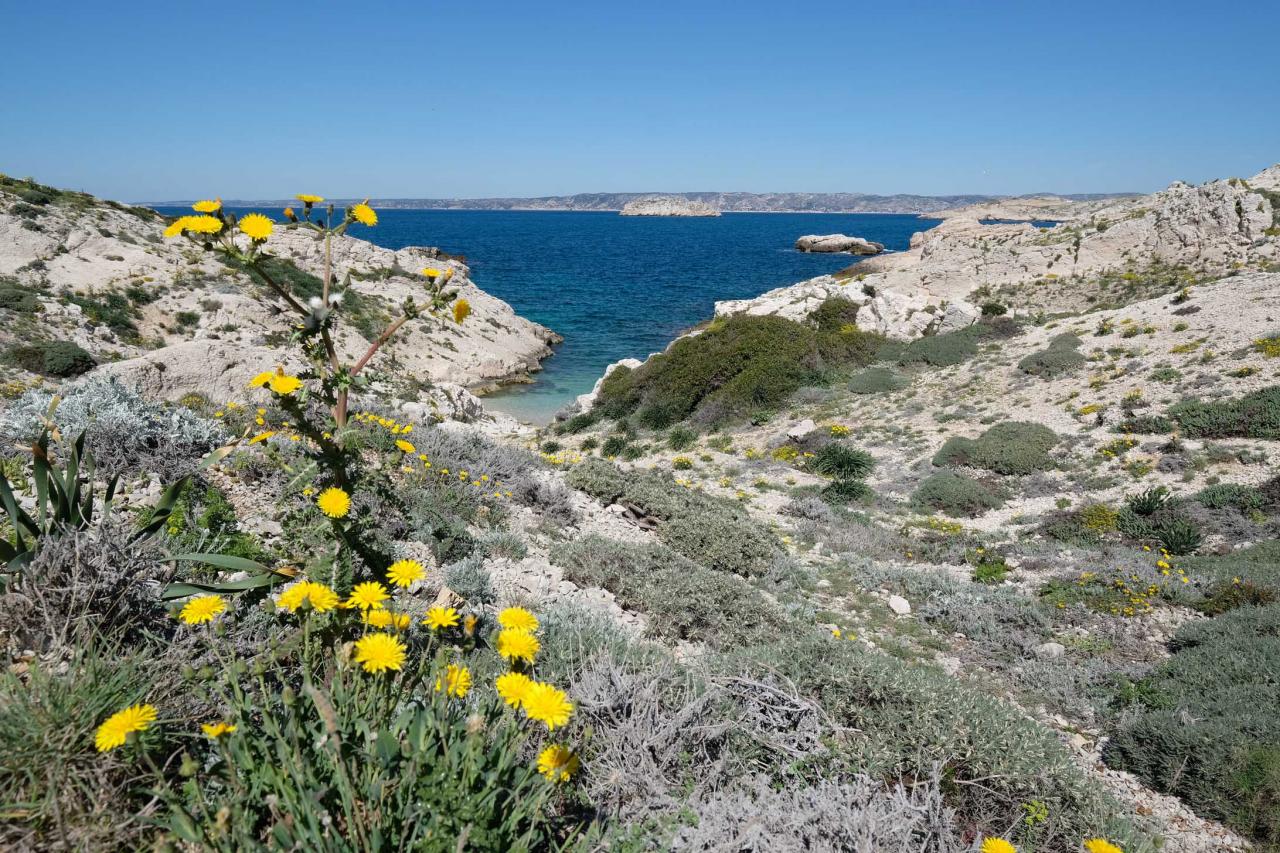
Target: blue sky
[[151, 101]]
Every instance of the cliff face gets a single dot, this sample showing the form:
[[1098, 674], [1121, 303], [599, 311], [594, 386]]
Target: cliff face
[[668, 205], [177, 320], [1183, 231]]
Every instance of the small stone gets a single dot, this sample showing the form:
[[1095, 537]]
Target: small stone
[[801, 429], [1050, 651], [899, 605]]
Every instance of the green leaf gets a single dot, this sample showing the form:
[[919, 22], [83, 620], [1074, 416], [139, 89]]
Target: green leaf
[[223, 561], [184, 588]]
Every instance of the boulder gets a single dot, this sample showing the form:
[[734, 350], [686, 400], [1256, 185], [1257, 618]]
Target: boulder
[[801, 429], [899, 605], [838, 243]]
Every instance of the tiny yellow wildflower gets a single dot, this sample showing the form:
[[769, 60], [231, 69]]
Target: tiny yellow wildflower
[[218, 729], [559, 763], [202, 608], [116, 729]]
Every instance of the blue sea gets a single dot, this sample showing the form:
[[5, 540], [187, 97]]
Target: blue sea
[[620, 286]]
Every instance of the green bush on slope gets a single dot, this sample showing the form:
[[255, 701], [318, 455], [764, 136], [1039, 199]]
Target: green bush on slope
[[1061, 356], [956, 495], [1012, 447], [1206, 729], [1255, 415]]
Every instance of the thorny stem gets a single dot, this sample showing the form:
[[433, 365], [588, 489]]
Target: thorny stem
[[377, 344]]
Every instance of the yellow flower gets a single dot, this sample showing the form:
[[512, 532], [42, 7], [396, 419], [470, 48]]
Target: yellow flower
[[455, 682], [379, 652], [461, 311], [293, 597], [997, 845], [203, 224], [261, 379], [176, 227], [385, 619], [518, 645], [518, 619], [256, 226], [334, 502], [218, 729], [202, 608], [282, 384], [364, 214], [546, 704], [262, 436], [116, 729], [558, 763], [207, 206], [405, 446], [322, 598], [441, 617], [1101, 845], [431, 272], [368, 595], [308, 200], [405, 572], [512, 686]]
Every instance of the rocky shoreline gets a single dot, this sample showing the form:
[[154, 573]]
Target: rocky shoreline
[[667, 205]]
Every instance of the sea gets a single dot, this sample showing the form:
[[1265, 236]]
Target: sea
[[619, 287]]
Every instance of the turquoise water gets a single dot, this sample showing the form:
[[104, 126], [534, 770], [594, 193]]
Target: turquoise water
[[620, 286]]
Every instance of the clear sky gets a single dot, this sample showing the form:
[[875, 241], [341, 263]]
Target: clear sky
[[150, 101]]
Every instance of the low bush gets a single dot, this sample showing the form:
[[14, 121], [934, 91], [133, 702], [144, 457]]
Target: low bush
[[61, 359], [956, 495], [1206, 729], [877, 380], [18, 299], [1012, 447], [1148, 502], [737, 367], [1255, 415], [684, 600], [1061, 356], [941, 350], [1244, 498], [841, 462], [722, 542]]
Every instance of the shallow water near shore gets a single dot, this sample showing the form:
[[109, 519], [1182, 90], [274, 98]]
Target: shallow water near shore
[[618, 286]]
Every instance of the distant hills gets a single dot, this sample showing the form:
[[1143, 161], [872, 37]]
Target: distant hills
[[730, 202]]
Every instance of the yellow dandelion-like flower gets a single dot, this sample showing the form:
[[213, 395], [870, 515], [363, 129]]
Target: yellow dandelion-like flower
[[512, 686], [308, 200], [519, 619], [262, 436], [431, 272], [547, 705], [379, 652], [207, 206], [1101, 845], [518, 645], [405, 446], [456, 681], [440, 617], [405, 572], [256, 226], [203, 224], [997, 845], [261, 379], [293, 597], [176, 227], [283, 384], [202, 608], [368, 595], [364, 214], [461, 311], [559, 763], [321, 597], [218, 729], [385, 619], [115, 731], [334, 502]]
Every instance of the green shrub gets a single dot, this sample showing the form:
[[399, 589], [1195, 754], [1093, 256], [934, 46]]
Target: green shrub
[[942, 350], [1062, 356], [1244, 498], [1178, 535], [681, 438], [684, 599], [840, 492], [1206, 729], [956, 495], [1148, 502], [877, 380], [1012, 447], [1257, 565], [614, 445], [52, 358], [17, 299], [737, 545], [842, 462], [1255, 415], [736, 368], [900, 721]]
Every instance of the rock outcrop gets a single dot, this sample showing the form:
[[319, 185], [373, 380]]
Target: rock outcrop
[[838, 243], [173, 317], [667, 205]]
